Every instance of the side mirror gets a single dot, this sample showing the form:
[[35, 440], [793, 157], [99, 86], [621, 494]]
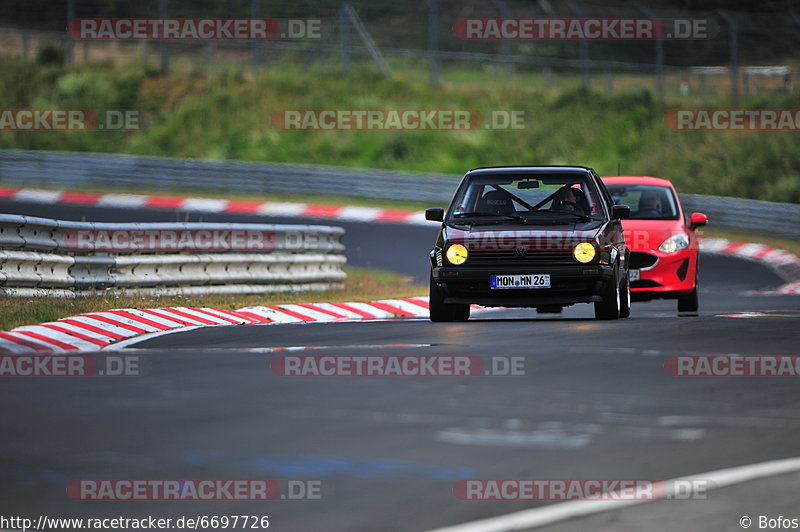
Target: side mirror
[[698, 219], [434, 215], [619, 212]]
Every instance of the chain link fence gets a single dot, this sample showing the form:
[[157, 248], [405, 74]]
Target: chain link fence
[[421, 39]]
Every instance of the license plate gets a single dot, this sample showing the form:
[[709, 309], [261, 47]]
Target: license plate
[[499, 282], [633, 275]]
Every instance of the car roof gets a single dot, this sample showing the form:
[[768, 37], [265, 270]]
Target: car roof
[[538, 168], [636, 180]]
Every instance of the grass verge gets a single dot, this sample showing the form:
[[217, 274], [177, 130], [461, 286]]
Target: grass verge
[[226, 115], [362, 284]]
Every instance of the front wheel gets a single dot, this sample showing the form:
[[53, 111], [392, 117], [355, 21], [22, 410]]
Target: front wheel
[[625, 299], [609, 308], [441, 311], [689, 302]]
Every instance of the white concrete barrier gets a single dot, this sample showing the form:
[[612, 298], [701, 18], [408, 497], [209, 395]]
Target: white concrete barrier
[[39, 255]]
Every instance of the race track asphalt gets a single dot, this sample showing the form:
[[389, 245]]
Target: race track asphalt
[[594, 402]]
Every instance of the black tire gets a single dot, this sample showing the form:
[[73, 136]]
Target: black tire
[[625, 299], [609, 308], [689, 302], [443, 312], [550, 309], [461, 312]]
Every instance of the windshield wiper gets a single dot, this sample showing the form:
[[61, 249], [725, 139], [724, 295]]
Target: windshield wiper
[[581, 217], [476, 214]]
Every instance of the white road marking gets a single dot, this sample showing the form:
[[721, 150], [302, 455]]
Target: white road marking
[[555, 513], [514, 438]]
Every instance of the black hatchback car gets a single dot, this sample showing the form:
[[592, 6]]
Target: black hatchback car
[[530, 236]]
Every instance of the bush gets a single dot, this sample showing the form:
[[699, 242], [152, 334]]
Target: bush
[[51, 54]]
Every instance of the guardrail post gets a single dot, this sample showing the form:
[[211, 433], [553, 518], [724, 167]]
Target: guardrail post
[[433, 41], [505, 44], [733, 45], [583, 47], [70, 40], [373, 50], [344, 33], [143, 51], [209, 53], [659, 69], [25, 44], [162, 44], [746, 80], [255, 45]]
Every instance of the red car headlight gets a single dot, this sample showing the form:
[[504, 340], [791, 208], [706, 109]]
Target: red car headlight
[[674, 243]]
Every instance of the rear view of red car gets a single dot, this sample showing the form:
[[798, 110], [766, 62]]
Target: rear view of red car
[[663, 242]]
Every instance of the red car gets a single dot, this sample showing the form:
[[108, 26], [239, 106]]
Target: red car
[[664, 247]]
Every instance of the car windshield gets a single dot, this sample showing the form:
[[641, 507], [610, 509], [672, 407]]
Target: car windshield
[[527, 198], [647, 202]]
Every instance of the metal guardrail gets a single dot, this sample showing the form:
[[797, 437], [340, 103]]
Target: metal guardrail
[[30, 232], [70, 169], [751, 216], [107, 171], [39, 254]]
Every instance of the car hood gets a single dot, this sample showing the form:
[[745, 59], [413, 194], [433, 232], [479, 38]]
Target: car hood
[[648, 235], [499, 237]]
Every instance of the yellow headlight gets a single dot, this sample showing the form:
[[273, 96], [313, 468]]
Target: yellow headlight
[[584, 252], [457, 254]]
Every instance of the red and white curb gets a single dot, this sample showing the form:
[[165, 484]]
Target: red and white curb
[[95, 331], [784, 263], [99, 330], [210, 205]]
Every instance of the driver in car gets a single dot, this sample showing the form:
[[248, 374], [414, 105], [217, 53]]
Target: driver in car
[[569, 199], [649, 205]]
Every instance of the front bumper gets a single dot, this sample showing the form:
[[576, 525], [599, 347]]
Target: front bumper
[[671, 276], [569, 284]]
